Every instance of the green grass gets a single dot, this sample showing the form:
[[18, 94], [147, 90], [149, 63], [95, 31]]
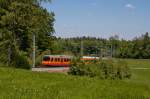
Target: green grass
[[139, 63], [22, 84]]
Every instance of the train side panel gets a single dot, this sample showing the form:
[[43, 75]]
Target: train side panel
[[56, 61]]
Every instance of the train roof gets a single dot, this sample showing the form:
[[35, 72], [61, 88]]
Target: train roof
[[59, 56]]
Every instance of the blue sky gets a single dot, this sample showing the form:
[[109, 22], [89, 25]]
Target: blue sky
[[100, 18]]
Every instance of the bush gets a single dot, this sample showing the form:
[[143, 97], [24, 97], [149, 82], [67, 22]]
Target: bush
[[115, 69], [21, 61], [104, 69]]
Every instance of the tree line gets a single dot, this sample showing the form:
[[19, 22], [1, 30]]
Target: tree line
[[138, 48]]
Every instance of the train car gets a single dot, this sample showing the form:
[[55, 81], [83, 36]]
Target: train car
[[89, 58], [56, 60]]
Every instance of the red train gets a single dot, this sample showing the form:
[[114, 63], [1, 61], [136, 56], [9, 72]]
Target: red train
[[62, 60], [56, 60]]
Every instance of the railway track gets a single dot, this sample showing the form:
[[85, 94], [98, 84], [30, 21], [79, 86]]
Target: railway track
[[65, 69], [51, 69]]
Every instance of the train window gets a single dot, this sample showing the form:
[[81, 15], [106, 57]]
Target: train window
[[65, 60], [52, 59], [61, 59], [46, 58], [58, 59], [55, 59]]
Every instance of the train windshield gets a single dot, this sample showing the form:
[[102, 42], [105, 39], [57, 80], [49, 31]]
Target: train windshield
[[46, 58]]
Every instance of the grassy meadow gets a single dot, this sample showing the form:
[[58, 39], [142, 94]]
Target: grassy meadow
[[22, 84], [139, 63]]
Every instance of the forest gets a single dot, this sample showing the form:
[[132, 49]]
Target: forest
[[138, 48]]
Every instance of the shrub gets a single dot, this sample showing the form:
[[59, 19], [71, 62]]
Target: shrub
[[38, 60], [21, 61], [104, 69], [114, 69], [123, 70], [82, 68]]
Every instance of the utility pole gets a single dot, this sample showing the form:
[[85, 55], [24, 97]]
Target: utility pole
[[81, 48], [111, 50], [33, 57], [101, 51]]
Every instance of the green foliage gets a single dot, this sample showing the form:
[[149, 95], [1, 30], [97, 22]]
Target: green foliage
[[19, 20], [138, 48], [104, 69], [21, 61]]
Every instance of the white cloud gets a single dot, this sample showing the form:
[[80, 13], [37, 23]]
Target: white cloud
[[130, 6]]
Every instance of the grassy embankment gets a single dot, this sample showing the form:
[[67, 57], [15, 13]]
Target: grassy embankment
[[22, 84]]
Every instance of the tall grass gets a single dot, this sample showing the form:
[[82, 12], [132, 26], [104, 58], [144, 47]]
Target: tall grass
[[22, 84]]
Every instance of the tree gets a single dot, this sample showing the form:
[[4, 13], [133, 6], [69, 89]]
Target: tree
[[19, 20]]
